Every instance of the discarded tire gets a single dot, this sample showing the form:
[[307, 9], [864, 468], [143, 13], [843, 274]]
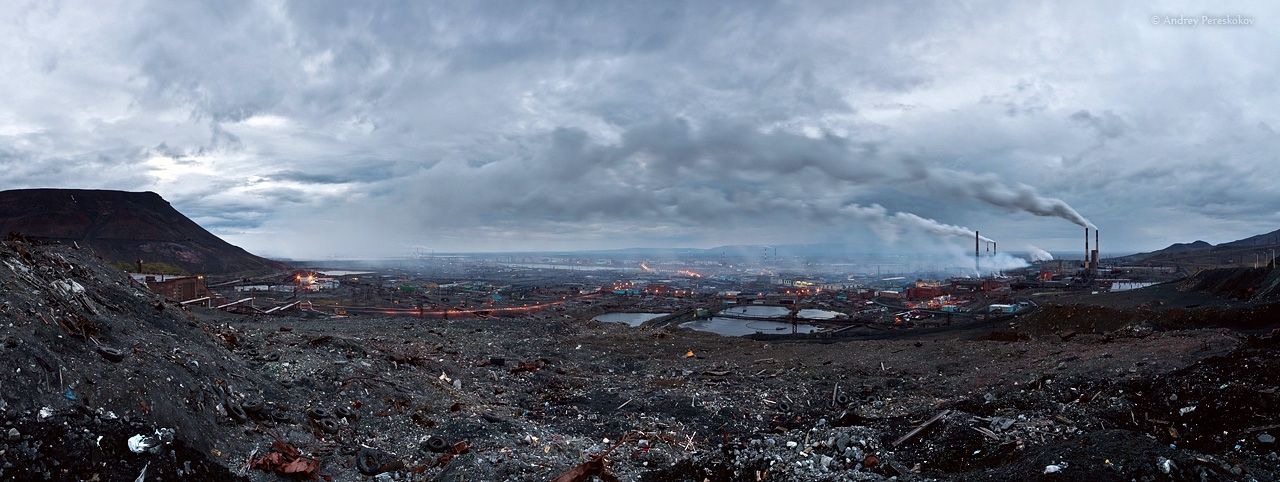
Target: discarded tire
[[437, 444], [347, 413], [254, 407], [236, 412], [842, 399], [319, 413], [327, 425], [272, 356], [280, 415], [784, 407], [111, 354], [369, 461]]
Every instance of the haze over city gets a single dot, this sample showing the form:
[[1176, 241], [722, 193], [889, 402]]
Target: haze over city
[[310, 129]]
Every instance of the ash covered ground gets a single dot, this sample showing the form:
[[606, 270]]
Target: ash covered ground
[[1069, 392]]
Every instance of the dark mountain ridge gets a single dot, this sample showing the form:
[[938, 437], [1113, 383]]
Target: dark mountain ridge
[[123, 226]]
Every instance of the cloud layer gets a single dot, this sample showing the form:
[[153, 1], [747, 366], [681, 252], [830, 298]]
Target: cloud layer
[[338, 128]]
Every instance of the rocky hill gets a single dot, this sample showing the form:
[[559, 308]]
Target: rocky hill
[[124, 227], [1254, 250]]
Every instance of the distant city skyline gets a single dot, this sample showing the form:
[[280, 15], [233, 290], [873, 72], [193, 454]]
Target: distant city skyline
[[309, 129]]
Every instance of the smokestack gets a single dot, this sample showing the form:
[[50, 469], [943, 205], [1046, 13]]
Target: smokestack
[[1097, 247], [1086, 247]]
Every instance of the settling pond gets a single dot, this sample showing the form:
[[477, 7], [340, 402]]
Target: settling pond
[[633, 319], [757, 311], [726, 326], [740, 327]]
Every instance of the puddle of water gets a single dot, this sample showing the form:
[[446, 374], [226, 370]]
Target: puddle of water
[[740, 327], [633, 319]]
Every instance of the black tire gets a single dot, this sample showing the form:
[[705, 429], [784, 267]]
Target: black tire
[[272, 356], [327, 425], [236, 412], [437, 444], [842, 399], [347, 413], [369, 461], [281, 415], [784, 406], [254, 407], [319, 413], [113, 355]]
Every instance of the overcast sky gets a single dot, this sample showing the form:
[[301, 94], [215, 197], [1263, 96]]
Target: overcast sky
[[336, 129]]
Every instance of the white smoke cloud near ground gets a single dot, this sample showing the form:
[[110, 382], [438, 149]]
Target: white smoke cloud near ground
[[958, 258], [1038, 254]]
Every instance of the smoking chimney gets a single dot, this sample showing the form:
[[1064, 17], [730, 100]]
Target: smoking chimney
[[1086, 247], [1096, 245]]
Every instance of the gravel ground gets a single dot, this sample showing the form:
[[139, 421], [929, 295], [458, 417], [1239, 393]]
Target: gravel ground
[[308, 395]]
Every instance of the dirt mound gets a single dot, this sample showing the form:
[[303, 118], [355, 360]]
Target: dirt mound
[[87, 353], [1243, 284], [124, 227], [1055, 319], [1220, 405], [1063, 319]]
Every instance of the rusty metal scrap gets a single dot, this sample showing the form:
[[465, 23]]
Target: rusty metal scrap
[[285, 460], [525, 367], [596, 466]]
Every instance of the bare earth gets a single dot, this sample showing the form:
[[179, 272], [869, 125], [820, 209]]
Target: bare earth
[[537, 397]]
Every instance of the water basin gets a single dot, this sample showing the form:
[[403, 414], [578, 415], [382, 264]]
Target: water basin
[[633, 319], [740, 327]]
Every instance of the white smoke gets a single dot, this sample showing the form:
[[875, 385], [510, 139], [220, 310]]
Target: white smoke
[[989, 189], [1038, 254], [889, 226], [1000, 262]]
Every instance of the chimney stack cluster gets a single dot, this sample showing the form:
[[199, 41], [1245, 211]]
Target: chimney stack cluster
[[1091, 256]]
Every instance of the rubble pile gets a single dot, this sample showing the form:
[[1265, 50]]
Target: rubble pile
[[106, 381], [91, 359]]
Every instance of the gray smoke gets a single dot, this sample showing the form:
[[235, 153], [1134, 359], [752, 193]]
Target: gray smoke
[[989, 189], [890, 225]]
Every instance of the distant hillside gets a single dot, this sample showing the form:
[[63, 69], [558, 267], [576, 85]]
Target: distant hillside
[[1200, 254], [1183, 247], [1269, 239], [124, 227]]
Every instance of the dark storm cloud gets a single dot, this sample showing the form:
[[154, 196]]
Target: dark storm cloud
[[367, 172]]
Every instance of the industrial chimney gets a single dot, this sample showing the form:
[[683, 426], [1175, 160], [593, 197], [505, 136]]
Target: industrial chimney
[[1096, 245], [1086, 248]]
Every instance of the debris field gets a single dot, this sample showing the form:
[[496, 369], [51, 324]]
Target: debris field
[[103, 380]]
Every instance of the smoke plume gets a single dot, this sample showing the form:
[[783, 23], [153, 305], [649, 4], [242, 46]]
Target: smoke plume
[[1038, 254], [989, 189], [890, 225]]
